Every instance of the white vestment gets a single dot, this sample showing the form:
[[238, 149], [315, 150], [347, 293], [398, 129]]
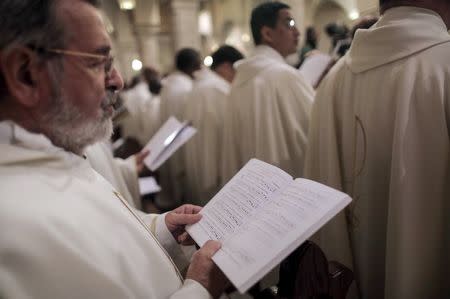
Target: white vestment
[[380, 132], [143, 118], [174, 92], [68, 234], [122, 174], [202, 154], [267, 114]]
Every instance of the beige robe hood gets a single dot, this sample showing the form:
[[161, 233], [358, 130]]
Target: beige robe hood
[[370, 48], [380, 132]]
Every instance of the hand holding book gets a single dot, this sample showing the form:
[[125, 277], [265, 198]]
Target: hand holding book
[[261, 216]]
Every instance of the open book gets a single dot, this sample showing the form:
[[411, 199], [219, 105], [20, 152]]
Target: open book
[[170, 137], [260, 217]]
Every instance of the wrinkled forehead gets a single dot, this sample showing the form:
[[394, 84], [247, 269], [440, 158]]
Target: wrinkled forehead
[[83, 25]]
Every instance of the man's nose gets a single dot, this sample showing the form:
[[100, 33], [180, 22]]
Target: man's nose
[[115, 81]]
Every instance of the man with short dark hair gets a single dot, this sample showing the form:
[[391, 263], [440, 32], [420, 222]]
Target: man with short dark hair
[[204, 108], [176, 88], [187, 61], [268, 109], [380, 132], [67, 233], [178, 84]]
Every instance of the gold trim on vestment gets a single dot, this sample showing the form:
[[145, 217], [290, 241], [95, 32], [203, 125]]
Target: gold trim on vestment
[[120, 197]]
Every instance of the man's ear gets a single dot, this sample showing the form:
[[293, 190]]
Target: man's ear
[[21, 70], [267, 35]]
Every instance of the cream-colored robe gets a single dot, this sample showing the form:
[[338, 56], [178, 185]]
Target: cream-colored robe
[[67, 234], [380, 132], [143, 118], [203, 154], [122, 174], [267, 114], [176, 88], [174, 92]]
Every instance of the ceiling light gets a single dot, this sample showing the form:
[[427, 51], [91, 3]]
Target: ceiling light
[[353, 15], [127, 4], [205, 23], [208, 61]]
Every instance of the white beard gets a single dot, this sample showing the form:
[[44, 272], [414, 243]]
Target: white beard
[[67, 127]]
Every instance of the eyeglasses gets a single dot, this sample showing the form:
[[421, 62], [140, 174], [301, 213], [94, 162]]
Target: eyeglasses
[[104, 61]]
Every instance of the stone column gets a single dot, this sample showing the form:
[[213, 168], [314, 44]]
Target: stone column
[[185, 24], [147, 29], [148, 37]]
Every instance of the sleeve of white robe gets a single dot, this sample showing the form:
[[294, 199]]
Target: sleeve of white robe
[[191, 288]]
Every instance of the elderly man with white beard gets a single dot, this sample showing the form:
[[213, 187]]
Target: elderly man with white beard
[[67, 233]]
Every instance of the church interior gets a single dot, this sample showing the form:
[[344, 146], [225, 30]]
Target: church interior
[[149, 32], [231, 149]]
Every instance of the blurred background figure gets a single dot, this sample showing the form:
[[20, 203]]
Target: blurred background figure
[[142, 104], [363, 23], [267, 113], [175, 90], [205, 107], [311, 39], [178, 84], [344, 45], [339, 35]]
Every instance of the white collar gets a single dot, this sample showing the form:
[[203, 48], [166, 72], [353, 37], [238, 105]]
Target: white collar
[[268, 52]]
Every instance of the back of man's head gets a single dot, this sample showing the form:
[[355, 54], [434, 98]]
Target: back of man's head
[[430, 4], [225, 54], [31, 23], [385, 4], [187, 60], [265, 14], [153, 79], [441, 7]]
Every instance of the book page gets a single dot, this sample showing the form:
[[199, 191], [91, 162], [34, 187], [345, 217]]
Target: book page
[[148, 185], [238, 201], [180, 139], [280, 226], [166, 141]]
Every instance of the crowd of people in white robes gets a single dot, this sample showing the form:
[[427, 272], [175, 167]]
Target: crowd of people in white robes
[[266, 111], [377, 127]]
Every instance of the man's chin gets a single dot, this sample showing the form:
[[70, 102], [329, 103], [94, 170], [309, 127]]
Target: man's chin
[[107, 128], [87, 135]]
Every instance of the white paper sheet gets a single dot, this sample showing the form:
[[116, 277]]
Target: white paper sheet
[[148, 185]]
